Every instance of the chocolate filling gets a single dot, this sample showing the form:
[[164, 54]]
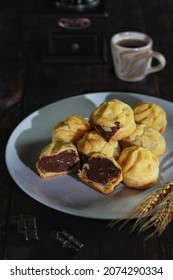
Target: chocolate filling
[[101, 170], [108, 134], [58, 163]]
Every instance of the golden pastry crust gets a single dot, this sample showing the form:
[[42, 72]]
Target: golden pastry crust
[[147, 137], [92, 142], [152, 115], [113, 120], [140, 167], [71, 129], [101, 173], [58, 158]]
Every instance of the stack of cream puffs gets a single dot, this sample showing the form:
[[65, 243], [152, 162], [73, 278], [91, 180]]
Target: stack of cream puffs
[[117, 144]]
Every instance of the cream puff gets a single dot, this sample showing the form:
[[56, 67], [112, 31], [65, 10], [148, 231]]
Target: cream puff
[[140, 167], [92, 142], [102, 173], [151, 114], [58, 158], [70, 129], [147, 137], [113, 120]]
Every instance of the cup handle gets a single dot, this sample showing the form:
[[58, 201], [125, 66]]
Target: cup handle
[[161, 62]]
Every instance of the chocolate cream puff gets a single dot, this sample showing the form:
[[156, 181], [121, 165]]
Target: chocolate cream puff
[[101, 172], [70, 129], [147, 137], [140, 167], [151, 114], [113, 120], [58, 158]]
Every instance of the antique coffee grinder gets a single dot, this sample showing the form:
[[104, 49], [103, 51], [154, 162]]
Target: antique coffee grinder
[[75, 31]]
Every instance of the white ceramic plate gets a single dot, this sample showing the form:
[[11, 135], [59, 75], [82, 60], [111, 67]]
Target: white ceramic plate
[[67, 193]]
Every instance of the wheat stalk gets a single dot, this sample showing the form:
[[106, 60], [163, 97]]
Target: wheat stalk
[[151, 201], [162, 216], [153, 207]]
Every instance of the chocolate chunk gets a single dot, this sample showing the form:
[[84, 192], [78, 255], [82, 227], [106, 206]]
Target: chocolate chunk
[[107, 134], [101, 170], [58, 163]]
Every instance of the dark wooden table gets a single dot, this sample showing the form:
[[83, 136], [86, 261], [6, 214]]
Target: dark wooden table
[[27, 83]]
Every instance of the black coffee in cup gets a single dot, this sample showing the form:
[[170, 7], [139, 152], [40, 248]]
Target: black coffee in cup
[[132, 54], [132, 43]]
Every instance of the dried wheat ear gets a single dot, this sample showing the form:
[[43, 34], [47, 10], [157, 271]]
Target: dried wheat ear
[[155, 211]]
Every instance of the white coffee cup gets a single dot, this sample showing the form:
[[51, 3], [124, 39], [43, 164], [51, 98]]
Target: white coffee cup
[[132, 55]]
